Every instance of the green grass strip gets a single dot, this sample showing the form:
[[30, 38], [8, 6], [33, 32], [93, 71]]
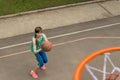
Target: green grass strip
[[16, 6]]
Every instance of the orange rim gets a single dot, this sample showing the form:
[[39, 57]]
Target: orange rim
[[79, 68]]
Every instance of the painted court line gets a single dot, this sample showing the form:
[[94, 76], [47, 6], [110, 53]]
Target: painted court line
[[62, 43], [67, 34]]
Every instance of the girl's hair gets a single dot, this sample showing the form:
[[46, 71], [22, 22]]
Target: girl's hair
[[37, 30]]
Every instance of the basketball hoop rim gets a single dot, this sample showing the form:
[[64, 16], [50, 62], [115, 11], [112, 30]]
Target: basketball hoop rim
[[80, 66]]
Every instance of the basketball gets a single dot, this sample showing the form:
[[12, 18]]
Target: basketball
[[46, 46]]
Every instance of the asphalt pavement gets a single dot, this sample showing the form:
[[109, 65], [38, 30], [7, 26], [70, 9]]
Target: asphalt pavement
[[75, 32], [70, 45]]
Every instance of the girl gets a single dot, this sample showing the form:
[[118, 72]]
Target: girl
[[35, 48]]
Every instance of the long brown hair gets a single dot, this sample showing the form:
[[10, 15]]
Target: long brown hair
[[37, 30]]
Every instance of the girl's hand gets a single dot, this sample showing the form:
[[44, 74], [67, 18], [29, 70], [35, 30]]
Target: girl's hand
[[37, 51]]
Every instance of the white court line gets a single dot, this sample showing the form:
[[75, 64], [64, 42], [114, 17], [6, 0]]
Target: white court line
[[62, 43], [67, 34]]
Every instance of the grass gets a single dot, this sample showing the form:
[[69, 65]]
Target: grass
[[16, 6]]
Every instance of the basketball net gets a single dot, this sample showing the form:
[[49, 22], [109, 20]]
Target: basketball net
[[104, 72]]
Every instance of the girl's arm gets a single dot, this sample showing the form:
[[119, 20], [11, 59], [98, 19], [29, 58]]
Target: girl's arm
[[34, 46], [46, 39]]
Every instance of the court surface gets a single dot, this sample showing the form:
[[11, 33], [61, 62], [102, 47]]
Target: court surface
[[70, 45]]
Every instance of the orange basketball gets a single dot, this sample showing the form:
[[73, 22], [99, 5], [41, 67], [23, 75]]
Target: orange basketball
[[46, 46]]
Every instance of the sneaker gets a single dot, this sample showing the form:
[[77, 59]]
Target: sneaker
[[33, 74], [43, 67]]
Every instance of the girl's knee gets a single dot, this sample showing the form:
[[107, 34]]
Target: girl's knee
[[45, 61]]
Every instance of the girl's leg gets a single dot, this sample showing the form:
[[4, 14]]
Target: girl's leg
[[39, 59], [33, 72], [36, 68], [43, 56]]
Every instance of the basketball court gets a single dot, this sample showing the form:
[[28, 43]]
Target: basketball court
[[71, 44]]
